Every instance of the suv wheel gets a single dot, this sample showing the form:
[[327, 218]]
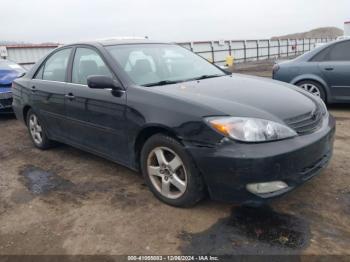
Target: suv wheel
[[313, 88], [37, 132], [170, 172]]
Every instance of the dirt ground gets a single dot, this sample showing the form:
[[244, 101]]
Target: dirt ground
[[65, 201]]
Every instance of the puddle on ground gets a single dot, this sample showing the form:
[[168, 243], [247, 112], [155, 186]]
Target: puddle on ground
[[40, 182], [250, 230]]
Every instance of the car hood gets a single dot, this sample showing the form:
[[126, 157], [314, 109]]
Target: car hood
[[7, 76], [243, 96]]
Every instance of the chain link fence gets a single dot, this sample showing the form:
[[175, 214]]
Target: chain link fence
[[252, 50]]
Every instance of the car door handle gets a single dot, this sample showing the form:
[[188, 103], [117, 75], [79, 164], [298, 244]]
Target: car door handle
[[70, 96], [329, 69]]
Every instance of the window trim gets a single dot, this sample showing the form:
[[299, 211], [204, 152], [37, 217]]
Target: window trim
[[43, 64], [37, 72]]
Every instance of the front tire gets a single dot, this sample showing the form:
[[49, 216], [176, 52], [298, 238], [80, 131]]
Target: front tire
[[170, 172], [313, 88], [37, 132]]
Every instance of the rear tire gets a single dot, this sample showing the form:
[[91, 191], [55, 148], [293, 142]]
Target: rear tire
[[314, 88], [37, 131], [170, 172]]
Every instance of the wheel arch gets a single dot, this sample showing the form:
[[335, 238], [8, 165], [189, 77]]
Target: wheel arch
[[145, 133], [25, 111], [314, 78]]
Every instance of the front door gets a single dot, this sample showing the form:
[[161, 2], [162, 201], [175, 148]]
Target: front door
[[95, 117]]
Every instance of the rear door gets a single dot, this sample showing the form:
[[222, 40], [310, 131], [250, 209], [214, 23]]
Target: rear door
[[47, 91], [336, 69], [96, 118]]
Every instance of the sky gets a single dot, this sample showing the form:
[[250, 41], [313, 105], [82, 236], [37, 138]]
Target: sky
[[67, 21]]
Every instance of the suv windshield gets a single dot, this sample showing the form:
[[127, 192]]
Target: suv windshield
[[161, 64]]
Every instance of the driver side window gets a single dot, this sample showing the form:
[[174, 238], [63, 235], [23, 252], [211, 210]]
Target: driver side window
[[86, 63]]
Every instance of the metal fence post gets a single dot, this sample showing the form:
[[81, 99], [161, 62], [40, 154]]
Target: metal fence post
[[303, 45], [212, 52], [257, 50], [296, 46], [229, 48], [268, 49], [309, 44], [287, 47], [191, 46], [245, 50], [279, 48]]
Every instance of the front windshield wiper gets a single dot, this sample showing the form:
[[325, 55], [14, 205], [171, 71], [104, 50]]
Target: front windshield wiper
[[162, 83], [169, 82], [207, 76]]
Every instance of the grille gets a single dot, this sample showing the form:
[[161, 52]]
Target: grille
[[306, 123], [5, 102], [5, 95]]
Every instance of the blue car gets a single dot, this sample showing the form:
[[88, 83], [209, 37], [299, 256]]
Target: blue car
[[9, 71], [324, 72]]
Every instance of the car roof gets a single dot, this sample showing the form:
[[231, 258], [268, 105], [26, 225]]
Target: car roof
[[111, 42], [126, 41]]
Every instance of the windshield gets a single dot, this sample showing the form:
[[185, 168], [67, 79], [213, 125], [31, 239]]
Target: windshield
[[160, 64]]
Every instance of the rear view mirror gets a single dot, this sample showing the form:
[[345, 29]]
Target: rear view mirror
[[103, 82]]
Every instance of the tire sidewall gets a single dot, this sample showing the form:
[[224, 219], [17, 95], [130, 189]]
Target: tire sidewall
[[192, 192]]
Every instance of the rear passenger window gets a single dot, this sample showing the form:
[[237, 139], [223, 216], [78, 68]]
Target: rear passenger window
[[322, 55], [336, 52], [86, 63], [55, 67], [340, 52]]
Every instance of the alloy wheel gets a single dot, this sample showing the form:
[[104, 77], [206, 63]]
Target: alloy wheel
[[35, 129], [167, 172], [311, 88]]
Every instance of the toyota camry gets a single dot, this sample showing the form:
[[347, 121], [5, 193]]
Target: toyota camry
[[190, 128]]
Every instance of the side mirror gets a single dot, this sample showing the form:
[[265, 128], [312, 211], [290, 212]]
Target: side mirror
[[103, 82]]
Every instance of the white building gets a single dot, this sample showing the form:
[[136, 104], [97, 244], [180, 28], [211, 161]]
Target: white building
[[26, 55], [347, 28]]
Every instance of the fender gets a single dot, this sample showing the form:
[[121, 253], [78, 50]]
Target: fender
[[314, 78]]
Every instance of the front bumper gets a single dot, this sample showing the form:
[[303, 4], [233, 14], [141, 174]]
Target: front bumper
[[230, 166], [5, 102]]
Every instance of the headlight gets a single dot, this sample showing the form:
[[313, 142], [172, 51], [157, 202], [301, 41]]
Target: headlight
[[323, 107], [250, 129]]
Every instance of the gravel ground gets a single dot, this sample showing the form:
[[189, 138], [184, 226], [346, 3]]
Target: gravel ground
[[65, 201]]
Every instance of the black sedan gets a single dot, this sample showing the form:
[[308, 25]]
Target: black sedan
[[188, 126], [324, 72]]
